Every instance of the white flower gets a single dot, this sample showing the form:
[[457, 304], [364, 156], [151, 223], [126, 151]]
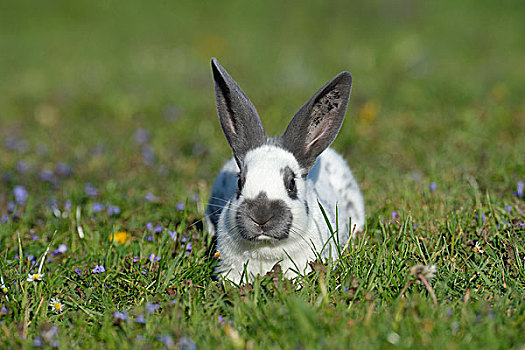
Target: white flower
[[477, 248], [56, 305], [35, 277]]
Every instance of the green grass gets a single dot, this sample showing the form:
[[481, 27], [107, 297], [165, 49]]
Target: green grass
[[437, 97]]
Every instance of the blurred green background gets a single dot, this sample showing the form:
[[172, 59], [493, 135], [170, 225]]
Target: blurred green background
[[438, 87]]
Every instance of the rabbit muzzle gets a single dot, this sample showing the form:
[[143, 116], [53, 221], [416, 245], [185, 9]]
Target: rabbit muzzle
[[261, 218]]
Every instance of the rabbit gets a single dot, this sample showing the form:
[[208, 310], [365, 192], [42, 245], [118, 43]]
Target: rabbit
[[265, 203]]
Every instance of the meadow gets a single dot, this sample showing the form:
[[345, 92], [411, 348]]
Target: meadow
[[110, 142]]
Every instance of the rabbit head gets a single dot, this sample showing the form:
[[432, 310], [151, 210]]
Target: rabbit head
[[271, 204]]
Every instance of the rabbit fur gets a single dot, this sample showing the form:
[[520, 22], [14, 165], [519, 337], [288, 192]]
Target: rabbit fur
[[265, 203]]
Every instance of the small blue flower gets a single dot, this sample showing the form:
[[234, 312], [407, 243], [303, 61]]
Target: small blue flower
[[508, 208], [150, 197], [78, 272], [149, 238], [136, 259], [188, 247], [149, 226], [153, 258], [113, 210], [158, 229], [21, 195], [90, 190], [38, 342], [432, 187], [97, 207], [140, 319], [141, 136], [22, 167], [180, 206], [519, 189], [186, 343], [63, 169], [173, 235], [120, 315], [394, 215], [148, 157], [167, 340], [99, 269], [152, 307], [47, 175]]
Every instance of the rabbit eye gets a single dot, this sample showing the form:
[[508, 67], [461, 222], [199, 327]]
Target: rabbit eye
[[291, 185], [289, 182]]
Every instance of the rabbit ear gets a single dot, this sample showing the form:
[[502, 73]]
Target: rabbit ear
[[315, 126], [239, 120]]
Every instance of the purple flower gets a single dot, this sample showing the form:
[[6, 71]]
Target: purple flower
[[432, 187], [63, 169], [136, 259], [521, 224], [38, 342], [149, 238], [141, 136], [508, 208], [97, 207], [113, 210], [220, 319], [394, 215], [15, 144], [47, 175], [150, 197], [140, 319], [173, 235], [519, 189], [4, 310], [35, 238], [149, 226], [22, 167], [99, 269], [153, 257], [188, 247], [186, 343], [158, 229], [120, 315], [21, 195], [148, 157], [180, 206], [78, 272], [90, 190], [167, 340], [152, 307], [60, 250], [183, 239]]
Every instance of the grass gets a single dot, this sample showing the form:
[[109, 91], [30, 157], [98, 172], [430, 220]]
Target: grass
[[120, 98]]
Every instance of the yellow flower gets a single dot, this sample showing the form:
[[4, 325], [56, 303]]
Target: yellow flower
[[3, 288], [120, 237], [369, 111], [217, 255], [56, 305], [35, 277]]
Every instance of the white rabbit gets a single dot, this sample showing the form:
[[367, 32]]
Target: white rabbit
[[264, 207]]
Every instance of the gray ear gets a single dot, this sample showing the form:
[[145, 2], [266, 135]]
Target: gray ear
[[317, 123], [239, 120]]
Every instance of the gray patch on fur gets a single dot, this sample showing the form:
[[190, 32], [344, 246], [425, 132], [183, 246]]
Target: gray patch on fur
[[261, 216]]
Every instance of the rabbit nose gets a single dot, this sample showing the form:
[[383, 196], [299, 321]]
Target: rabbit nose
[[260, 219]]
